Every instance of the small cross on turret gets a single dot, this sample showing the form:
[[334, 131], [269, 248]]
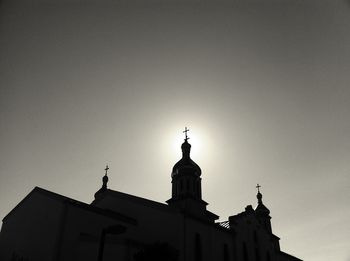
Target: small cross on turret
[[106, 170], [104, 183], [258, 187], [185, 131]]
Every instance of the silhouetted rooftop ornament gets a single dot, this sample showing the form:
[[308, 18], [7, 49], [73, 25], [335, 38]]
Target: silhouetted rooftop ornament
[[259, 195], [258, 187], [186, 147], [186, 185], [261, 209], [105, 178], [185, 131], [104, 182], [186, 164]]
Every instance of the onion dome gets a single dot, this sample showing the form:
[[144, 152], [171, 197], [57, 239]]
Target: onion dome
[[104, 183], [261, 209], [186, 166]]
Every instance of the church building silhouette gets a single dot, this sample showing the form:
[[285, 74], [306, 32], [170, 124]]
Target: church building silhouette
[[120, 227]]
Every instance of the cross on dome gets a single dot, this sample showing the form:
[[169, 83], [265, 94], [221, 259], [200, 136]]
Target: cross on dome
[[258, 187], [104, 183], [106, 170], [185, 131]]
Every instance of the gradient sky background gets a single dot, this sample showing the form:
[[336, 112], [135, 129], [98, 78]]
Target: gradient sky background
[[262, 85]]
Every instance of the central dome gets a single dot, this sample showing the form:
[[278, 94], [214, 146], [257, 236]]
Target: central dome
[[186, 166]]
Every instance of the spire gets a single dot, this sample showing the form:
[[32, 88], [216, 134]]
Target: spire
[[186, 147], [105, 178], [186, 174], [104, 183], [262, 212], [259, 195], [186, 186], [258, 187], [185, 131], [261, 209]]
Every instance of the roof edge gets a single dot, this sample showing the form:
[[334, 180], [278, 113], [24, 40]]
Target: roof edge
[[136, 199], [67, 200], [20, 203], [286, 254]]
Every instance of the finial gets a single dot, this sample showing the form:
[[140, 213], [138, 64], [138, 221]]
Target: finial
[[259, 196], [261, 210], [258, 187], [106, 170], [105, 178], [104, 183], [185, 131], [186, 147]]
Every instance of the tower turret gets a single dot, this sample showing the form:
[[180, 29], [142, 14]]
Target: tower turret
[[262, 212], [104, 183], [186, 180], [186, 185]]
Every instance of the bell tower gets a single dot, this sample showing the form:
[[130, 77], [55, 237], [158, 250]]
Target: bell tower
[[186, 185], [262, 212], [104, 184], [186, 180]]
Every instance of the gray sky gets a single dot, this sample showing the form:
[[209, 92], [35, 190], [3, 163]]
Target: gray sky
[[262, 85]]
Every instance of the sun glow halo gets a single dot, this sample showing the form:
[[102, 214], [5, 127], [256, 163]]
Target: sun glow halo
[[197, 141]]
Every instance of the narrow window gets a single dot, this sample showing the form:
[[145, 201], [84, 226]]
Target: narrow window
[[199, 189], [235, 251], [268, 258], [198, 248], [187, 185], [181, 185], [256, 237], [257, 254], [245, 252], [226, 253]]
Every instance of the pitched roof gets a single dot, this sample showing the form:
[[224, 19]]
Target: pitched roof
[[135, 199], [76, 203], [148, 203], [290, 256]]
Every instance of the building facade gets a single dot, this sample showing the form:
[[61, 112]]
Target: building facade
[[117, 226]]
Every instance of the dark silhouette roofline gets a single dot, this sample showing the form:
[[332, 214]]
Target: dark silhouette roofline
[[245, 214], [288, 255], [76, 203], [136, 199], [148, 203]]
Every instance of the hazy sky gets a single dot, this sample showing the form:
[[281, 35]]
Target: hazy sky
[[262, 85]]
